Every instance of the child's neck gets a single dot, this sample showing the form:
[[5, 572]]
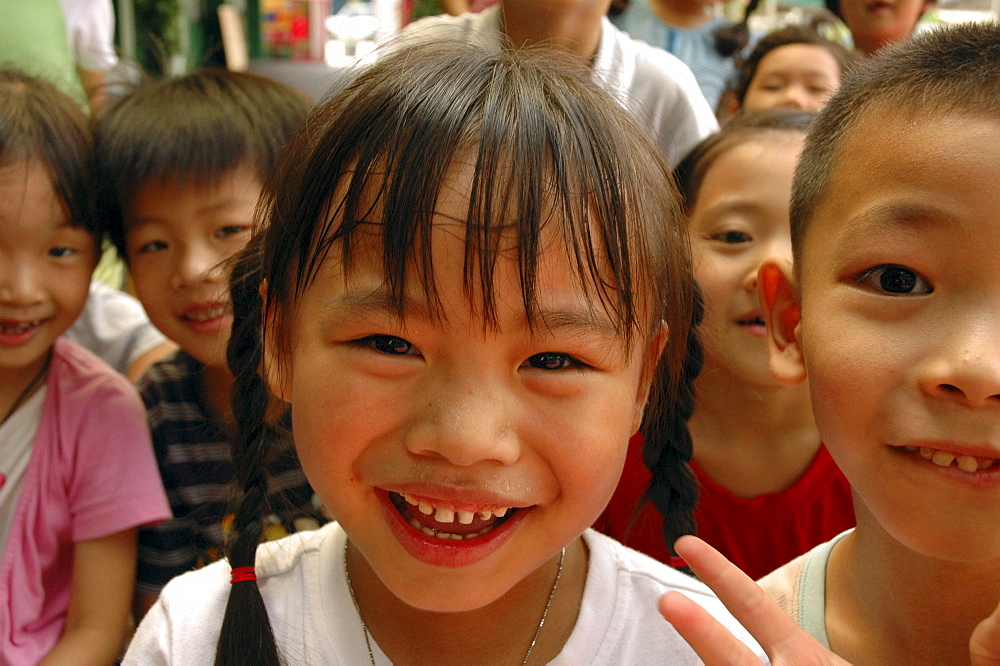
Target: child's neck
[[19, 385], [752, 439], [217, 388], [887, 604], [682, 13], [577, 29], [503, 630]]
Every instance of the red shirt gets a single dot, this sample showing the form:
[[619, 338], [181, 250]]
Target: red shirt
[[758, 534]]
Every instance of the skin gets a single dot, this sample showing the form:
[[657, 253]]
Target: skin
[[683, 13], [794, 76], [45, 268], [876, 23], [463, 416], [178, 240], [572, 24], [895, 250], [739, 220]]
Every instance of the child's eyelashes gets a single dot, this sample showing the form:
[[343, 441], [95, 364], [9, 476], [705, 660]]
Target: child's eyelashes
[[894, 279], [151, 246], [231, 230], [62, 251], [554, 361], [732, 237], [388, 344]]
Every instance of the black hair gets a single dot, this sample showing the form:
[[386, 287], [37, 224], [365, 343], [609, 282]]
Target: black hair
[[691, 171], [191, 129], [791, 34], [952, 69], [542, 137], [732, 39], [40, 122]]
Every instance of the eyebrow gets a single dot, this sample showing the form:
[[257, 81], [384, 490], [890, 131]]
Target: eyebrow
[[898, 214], [362, 302]]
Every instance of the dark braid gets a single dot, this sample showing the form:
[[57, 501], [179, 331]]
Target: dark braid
[[246, 636], [667, 446], [732, 39]]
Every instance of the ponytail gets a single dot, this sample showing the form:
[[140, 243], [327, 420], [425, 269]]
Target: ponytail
[[667, 445], [732, 39], [246, 636]]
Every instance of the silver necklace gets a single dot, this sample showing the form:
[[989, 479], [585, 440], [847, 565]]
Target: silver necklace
[[534, 639]]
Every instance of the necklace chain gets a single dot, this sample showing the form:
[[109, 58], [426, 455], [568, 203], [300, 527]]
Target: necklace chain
[[534, 639], [28, 390]]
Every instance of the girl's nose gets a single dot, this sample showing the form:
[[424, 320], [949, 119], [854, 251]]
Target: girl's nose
[[794, 98], [966, 369], [19, 284], [467, 422]]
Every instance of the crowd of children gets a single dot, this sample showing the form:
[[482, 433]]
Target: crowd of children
[[458, 339]]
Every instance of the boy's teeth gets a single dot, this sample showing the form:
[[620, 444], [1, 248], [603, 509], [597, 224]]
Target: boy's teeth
[[965, 463]]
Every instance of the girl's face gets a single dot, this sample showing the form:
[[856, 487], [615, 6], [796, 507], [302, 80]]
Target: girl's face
[[793, 76], [45, 269], [740, 218], [459, 459]]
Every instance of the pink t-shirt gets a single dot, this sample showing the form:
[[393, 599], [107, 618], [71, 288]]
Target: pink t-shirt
[[92, 473]]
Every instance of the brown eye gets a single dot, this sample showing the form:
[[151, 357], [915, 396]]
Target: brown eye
[[893, 279], [390, 344]]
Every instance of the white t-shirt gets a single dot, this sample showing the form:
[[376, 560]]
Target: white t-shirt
[[114, 326], [90, 27], [653, 84], [302, 580], [17, 434]]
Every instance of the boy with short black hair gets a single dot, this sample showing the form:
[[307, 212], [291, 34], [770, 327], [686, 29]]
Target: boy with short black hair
[[179, 168], [893, 313]]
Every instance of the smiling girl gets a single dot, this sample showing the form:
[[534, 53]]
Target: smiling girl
[[464, 291]]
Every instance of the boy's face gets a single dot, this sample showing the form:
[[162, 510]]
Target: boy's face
[[876, 23], [900, 327], [179, 237], [45, 269]]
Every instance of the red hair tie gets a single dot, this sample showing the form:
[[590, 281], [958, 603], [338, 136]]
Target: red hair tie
[[241, 574], [675, 562]]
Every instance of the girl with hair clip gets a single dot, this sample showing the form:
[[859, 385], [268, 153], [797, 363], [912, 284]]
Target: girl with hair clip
[[463, 288], [691, 31], [769, 489], [77, 474]]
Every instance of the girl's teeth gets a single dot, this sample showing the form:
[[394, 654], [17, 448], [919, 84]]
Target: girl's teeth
[[942, 458], [967, 463], [465, 517], [444, 516], [425, 508], [485, 515]]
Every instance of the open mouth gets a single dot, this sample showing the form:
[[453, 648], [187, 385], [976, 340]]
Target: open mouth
[[970, 464], [207, 314], [16, 327], [751, 321], [445, 521]]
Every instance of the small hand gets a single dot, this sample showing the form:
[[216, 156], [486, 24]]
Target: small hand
[[984, 646], [779, 636]]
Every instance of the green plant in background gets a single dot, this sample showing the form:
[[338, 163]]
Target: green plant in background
[[157, 27]]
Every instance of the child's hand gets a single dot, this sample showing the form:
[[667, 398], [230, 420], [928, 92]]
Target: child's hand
[[984, 646], [782, 640]]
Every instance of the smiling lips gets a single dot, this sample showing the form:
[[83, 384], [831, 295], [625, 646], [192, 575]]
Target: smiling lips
[[17, 332]]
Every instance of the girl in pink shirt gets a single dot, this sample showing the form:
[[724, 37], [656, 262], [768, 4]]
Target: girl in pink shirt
[[77, 473]]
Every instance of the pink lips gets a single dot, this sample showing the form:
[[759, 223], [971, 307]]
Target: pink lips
[[753, 323], [18, 332]]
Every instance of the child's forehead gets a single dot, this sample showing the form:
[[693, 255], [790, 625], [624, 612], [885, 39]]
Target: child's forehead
[[157, 197]]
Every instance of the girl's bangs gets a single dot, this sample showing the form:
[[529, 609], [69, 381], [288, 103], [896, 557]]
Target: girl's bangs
[[538, 165]]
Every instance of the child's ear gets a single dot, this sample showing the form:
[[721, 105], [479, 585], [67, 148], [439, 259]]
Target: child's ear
[[777, 290], [651, 360], [274, 371]]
